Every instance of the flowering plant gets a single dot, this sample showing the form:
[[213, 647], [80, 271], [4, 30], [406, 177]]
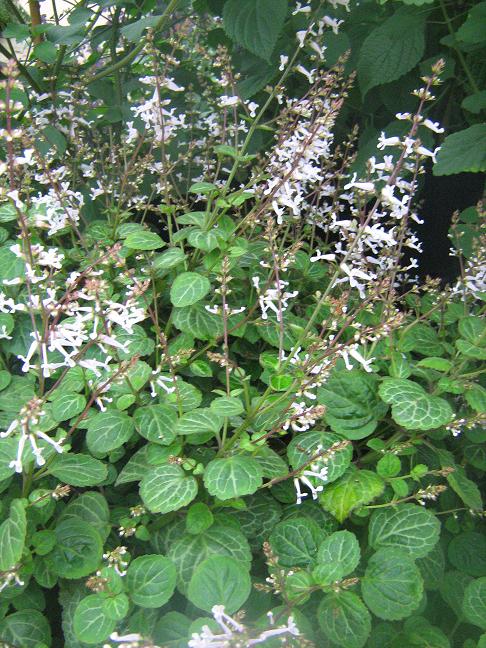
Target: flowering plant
[[223, 390]]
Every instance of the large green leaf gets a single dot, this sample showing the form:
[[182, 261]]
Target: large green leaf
[[474, 604], [25, 629], [296, 541], [90, 622], [392, 586], [474, 28], [167, 488], [78, 549], [199, 421], [408, 526], [156, 423], [338, 556], [67, 406], [189, 288], [422, 339], [463, 152], [92, 508], [78, 469], [108, 431], [231, 477], [355, 488], [197, 321], [12, 535], [467, 552], [353, 408], [392, 49], [344, 619], [467, 490], [144, 241], [151, 580], [219, 580], [187, 551], [255, 24], [413, 407]]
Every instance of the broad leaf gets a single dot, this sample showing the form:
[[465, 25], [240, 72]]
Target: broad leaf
[[90, 623], [167, 488], [78, 549], [310, 444], [144, 241], [355, 488], [392, 49], [198, 321], [199, 421], [26, 629], [413, 407], [78, 469], [338, 555], [352, 404], [255, 24], [392, 586], [408, 526], [467, 552], [156, 423], [219, 580], [12, 536], [344, 619], [296, 541], [67, 406], [231, 477], [463, 152], [108, 430], [474, 604], [189, 288], [151, 580]]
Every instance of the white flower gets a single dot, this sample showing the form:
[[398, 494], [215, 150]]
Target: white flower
[[433, 126], [301, 9], [362, 186], [318, 256], [228, 101], [283, 62]]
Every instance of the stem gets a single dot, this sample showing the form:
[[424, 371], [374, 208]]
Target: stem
[[35, 19], [460, 55]]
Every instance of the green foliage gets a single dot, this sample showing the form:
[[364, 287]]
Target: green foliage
[[220, 394]]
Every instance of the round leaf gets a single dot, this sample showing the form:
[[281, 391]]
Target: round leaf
[[189, 288], [156, 423], [167, 488], [151, 580], [108, 431], [67, 406], [474, 604], [305, 446], [338, 556], [344, 619], [78, 549], [144, 241], [392, 586], [231, 477], [219, 580], [90, 623]]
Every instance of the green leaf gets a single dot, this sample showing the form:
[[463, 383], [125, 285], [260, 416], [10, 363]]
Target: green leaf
[[296, 541], [255, 24], [143, 241], [197, 321], [473, 30], [271, 463], [134, 31], [353, 408], [189, 288], [45, 52], [355, 488], [199, 518], [409, 527], [467, 553], [475, 103], [344, 619], [231, 477], [392, 49], [219, 580], [473, 329], [199, 421], [412, 407], [92, 508], [116, 607], [206, 241], [309, 444], [339, 555], [78, 469], [151, 580], [78, 549], [187, 551], [392, 586], [227, 406], [452, 590], [422, 339], [439, 364], [467, 490], [156, 423], [90, 623], [108, 431], [463, 152], [12, 535], [25, 629], [167, 488], [432, 567], [474, 604], [168, 259], [388, 466]]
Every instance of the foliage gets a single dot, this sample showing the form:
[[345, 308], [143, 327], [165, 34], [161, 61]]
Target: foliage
[[230, 415]]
